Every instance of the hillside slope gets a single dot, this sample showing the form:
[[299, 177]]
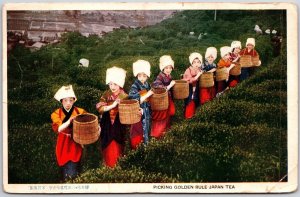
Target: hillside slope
[[235, 138], [239, 137]]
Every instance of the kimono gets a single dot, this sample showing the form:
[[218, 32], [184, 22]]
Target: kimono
[[222, 85], [68, 152], [207, 94], [233, 79], [191, 103], [161, 119], [246, 72], [140, 131], [113, 132]]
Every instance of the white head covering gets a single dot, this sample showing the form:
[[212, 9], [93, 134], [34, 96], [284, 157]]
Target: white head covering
[[141, 66], [65, 92], [164, 61], [236, 44], [194, 56], [84, 62], [268, 31], [225, 50], [274, 31], [116, 75], [211, 51], [250, 41]]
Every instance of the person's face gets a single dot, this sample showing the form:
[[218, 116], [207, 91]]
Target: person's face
[[226, 57], [250, 46], [114, 87], [142, 77], [236, 50], [210, 59], [68, 102], [196, 63], [168, 70]]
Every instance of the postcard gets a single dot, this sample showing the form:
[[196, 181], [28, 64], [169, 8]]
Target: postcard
[[150, 98]]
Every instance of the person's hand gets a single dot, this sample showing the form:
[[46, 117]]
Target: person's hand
[[199, 74], [227, 76], [143, 98], [116, 102], [150, 92], [172, 83], [72, 118]]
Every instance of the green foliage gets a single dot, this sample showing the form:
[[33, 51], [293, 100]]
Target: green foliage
[[269, 91], [228, 138], [87, 98], [29, 157], [241, 136], [236, 112], [118, 175]]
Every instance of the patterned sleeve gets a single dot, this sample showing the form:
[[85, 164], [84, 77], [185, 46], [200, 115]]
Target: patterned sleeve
[[158, 83], [204, 68], [134, 92], [211, 67], [56, 121], [187, 76]]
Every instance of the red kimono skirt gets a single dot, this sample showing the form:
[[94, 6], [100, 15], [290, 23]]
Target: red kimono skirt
[[161, 120]]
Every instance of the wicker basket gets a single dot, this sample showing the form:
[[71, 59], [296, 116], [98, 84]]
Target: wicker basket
[[129, 111], [206, 80], [85, 129], [255, 60], [180, 89], [221, 74], [246, 61], [159, 100], [236, 70]]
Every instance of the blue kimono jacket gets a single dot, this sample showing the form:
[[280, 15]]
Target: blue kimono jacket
[[135, 93], [207, 67]]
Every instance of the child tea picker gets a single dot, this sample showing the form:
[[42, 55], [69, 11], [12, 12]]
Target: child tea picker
[[113, 132], [234, 78], [224, 65], [68, 152], [191, 75], [249, 51], [140, 90], [161, 118], [208, 92]]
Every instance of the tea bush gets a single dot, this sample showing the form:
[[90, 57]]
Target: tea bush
[[31, 154], [241, 136], [118, 175]]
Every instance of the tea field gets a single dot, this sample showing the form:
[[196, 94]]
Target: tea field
[[240, 136]]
